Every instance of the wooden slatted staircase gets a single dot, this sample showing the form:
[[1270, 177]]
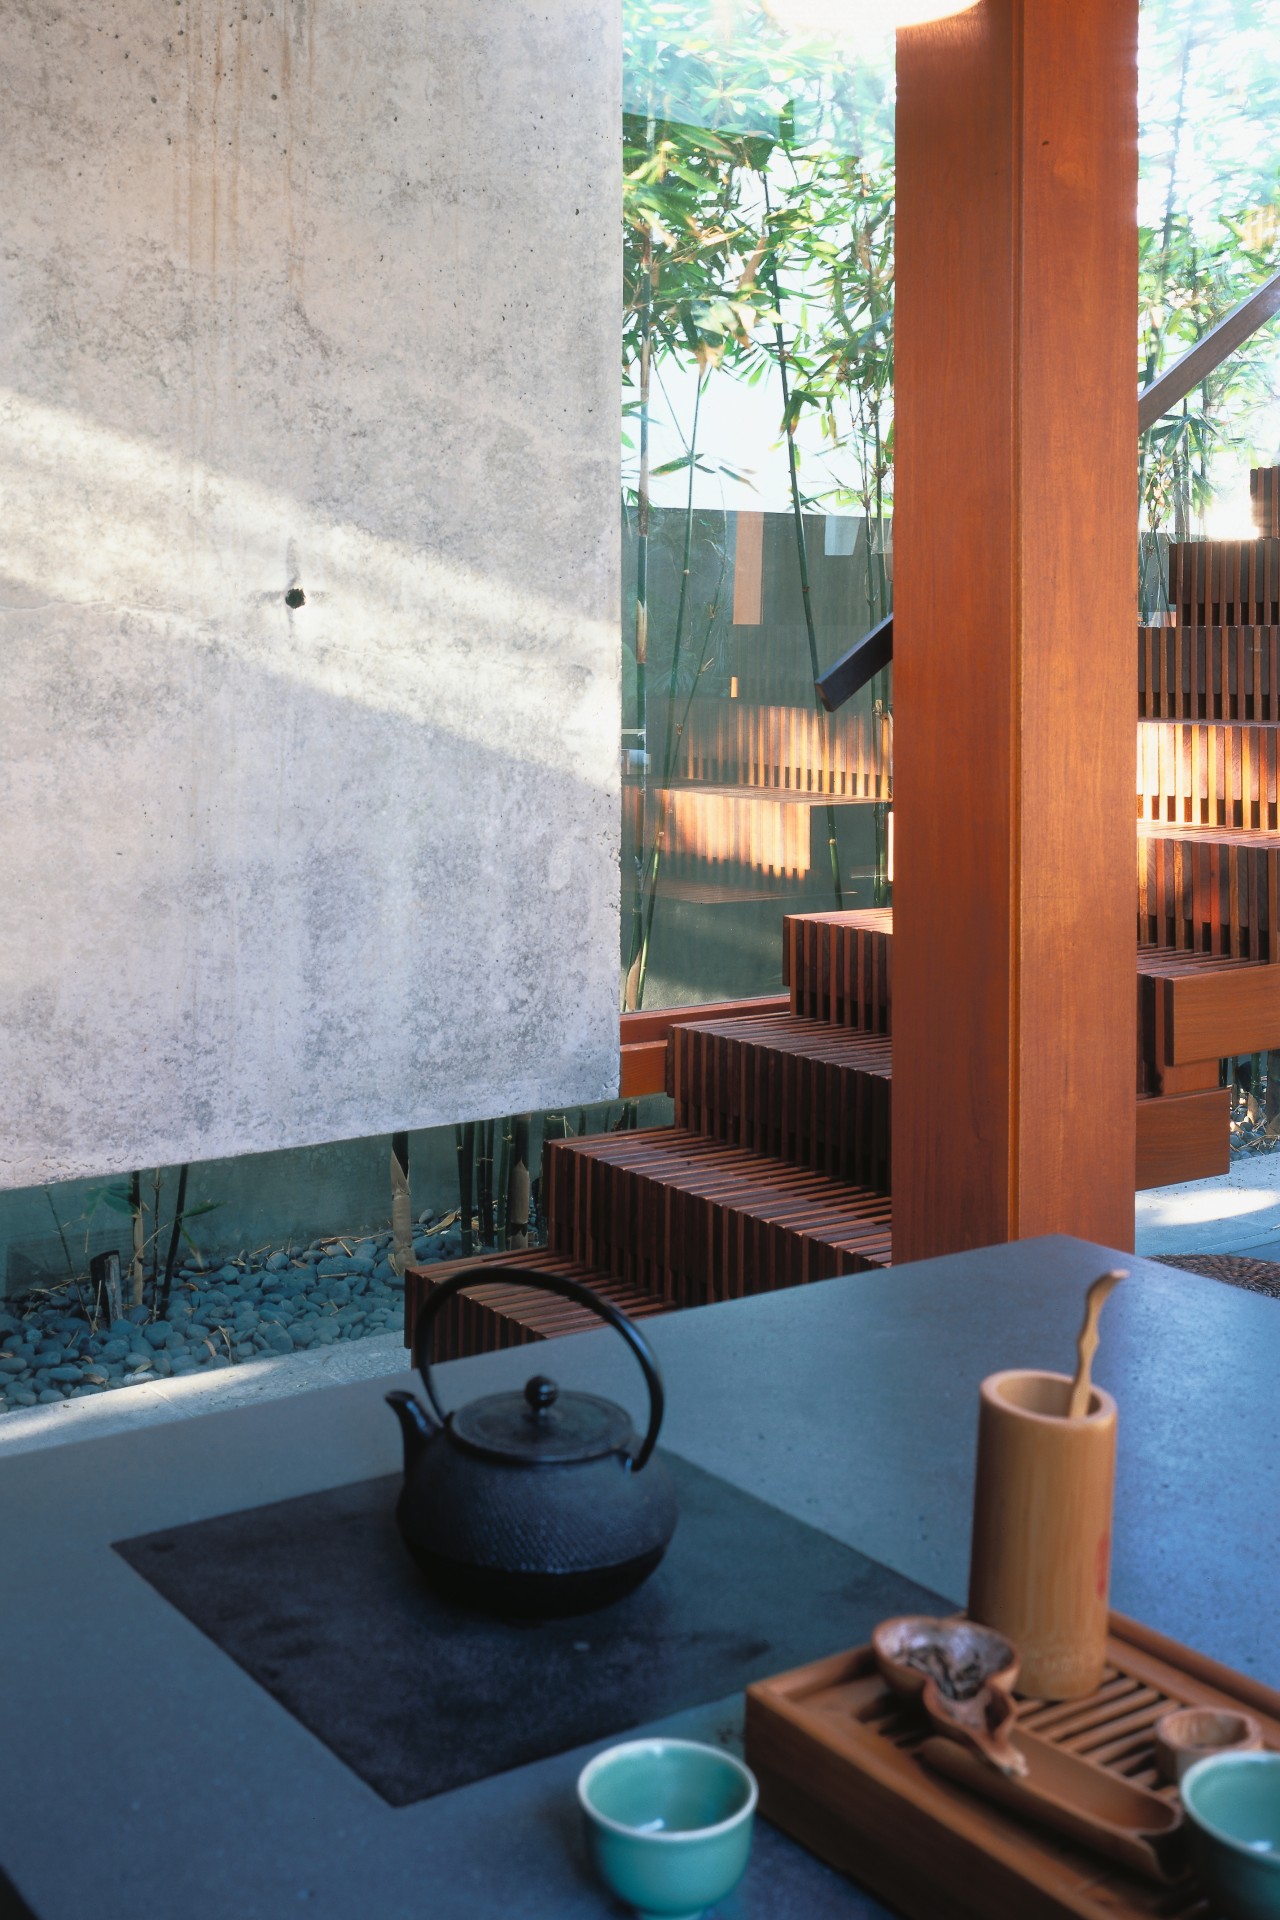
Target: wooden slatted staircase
[[777, 1168], [775, 1172]]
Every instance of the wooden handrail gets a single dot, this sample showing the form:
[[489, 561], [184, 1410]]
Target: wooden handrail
[[875, 650], [645, 1037], [641, 1029], [1176, 382]]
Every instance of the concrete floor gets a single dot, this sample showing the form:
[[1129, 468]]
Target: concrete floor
[[130, 1408], [1238, 1212], [143, 1758]]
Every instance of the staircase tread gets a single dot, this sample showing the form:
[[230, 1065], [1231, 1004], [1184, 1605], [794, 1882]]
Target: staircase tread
[[869, 919], [1216, 721], [1166, 963], [499, 1293], [762, 790], [700, 1164], [494, 1314], [798, 1035], [1208, 836]]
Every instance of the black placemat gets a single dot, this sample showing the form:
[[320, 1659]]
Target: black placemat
[[318, 1600], [12, 1904]]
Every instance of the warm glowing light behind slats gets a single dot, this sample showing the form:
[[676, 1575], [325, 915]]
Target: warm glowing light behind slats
[[1209, 776], [735, 743]]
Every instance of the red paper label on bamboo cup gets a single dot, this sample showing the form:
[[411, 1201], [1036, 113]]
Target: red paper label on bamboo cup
[[1104, 1564]]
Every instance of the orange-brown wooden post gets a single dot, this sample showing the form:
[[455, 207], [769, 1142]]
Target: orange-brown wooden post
[[1014, 618]]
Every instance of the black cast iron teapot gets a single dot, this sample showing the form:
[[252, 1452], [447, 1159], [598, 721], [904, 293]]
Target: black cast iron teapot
[[535, 1503]]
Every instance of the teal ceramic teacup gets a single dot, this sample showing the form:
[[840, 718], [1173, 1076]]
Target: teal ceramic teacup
[[1232, 1801], [668, 1824]]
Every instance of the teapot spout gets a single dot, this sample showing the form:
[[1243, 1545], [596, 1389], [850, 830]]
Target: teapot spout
[[416, 1429]]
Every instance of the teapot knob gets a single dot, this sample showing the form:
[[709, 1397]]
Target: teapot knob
[[541, 1394]]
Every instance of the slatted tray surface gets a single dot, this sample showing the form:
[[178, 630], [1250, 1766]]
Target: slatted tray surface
[[836, 1756]]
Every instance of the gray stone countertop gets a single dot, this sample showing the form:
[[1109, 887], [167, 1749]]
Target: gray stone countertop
[[142, 1773]]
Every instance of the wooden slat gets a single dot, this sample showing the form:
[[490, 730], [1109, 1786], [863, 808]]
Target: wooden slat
[[643, 1070], [748, 570], [798, 1090], [696, 1220], [1198, 672], [1183, 1137], [1210, 890], [837, 967], [635, 1029], [1211, 1014], [487, 1317], [1264, 490], [776, 749], [1225, 583], [1208, 776]]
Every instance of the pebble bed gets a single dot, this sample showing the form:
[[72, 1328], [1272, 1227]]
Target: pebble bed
[[249, 1308]]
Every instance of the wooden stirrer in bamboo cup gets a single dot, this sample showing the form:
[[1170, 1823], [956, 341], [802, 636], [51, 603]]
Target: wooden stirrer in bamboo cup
[[1040, 1566]]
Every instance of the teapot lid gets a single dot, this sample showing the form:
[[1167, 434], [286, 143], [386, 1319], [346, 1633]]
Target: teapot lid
[[542, 1426]]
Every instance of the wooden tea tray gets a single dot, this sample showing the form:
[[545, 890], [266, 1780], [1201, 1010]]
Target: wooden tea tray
[[836, 1757]]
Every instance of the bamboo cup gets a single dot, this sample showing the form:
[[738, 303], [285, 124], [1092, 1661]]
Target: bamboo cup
[[1040, 1566]]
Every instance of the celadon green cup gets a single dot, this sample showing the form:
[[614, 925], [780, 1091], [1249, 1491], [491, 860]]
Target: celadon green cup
[[668, 1824], [1232, 1801]]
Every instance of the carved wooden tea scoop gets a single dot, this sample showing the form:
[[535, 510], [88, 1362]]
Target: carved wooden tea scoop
[[984, 1723], [963, 1674], [1087, 1344], [1073, 1796]]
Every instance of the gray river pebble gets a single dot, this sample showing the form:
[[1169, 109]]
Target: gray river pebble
[[271, 1303]]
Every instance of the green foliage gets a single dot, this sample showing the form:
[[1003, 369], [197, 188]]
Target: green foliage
[[718, 111], [757, 181], [1209, 232], [758, 242], [759, 246]]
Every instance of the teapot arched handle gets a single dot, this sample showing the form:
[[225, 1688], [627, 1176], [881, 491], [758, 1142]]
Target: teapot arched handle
[[546, 1283]]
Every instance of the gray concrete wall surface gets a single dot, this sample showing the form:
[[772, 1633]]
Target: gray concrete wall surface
[[315, 297]]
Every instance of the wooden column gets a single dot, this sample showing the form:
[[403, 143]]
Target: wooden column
[[1015, 609]]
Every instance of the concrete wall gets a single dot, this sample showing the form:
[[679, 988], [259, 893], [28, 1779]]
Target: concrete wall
[[315, 296]]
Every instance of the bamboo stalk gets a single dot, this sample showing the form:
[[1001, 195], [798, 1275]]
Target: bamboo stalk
[[484, 1182], [802, 551], [156, 1179], [465, 1142], [66, 1250], [401, 1205], [500, 1192], [640, 960], [136, 1277], [642, 588], [518, 1183], [171, 1259]]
